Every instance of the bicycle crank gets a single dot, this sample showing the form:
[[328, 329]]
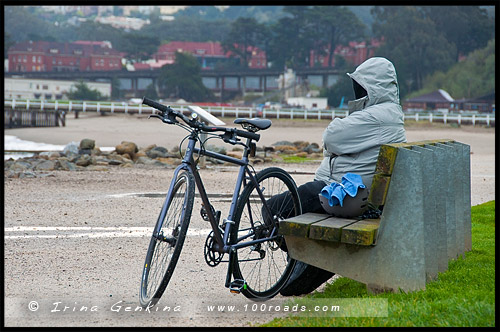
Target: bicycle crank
[[212, 257]]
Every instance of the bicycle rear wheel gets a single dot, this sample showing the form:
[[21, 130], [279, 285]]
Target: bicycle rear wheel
[[167, 240], [264, 267]]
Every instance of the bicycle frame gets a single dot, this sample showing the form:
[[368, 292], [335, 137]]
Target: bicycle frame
[[222, 242]]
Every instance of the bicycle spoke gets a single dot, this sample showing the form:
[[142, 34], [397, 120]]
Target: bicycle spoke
[[166, 245], [270, 266]]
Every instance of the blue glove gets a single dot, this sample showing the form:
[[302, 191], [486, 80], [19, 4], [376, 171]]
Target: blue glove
[[335, 192]]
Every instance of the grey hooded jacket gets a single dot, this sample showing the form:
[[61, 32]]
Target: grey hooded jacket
[[352, 144]]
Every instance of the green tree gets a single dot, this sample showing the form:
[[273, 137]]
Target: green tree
[[413, 43], [332, 26], [116, 93], [182, 79], [341, 90], [83, 92], [292, 38], [151, 92], [139, 46], [20, 22], [96, 31], [8, 42], [245, 33], [473, 77], [468, 27]]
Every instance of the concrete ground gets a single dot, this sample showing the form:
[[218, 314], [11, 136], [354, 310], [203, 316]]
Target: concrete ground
[[75, 242]]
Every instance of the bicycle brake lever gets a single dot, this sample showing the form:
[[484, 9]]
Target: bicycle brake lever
[[155, 116]]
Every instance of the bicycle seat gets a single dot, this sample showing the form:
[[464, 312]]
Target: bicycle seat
[[254, 124]]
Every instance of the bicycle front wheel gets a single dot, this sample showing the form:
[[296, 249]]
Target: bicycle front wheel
[[264, 267], [167, 240]]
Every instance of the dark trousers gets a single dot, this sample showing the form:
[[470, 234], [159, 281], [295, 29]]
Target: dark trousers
[[309, 200], [305, 278]]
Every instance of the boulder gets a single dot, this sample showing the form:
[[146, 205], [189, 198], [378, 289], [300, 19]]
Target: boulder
[[66, 165], [300, 145], [283, 143], [71, 148], [85, 151], [312, 148], [286, 149], [84, 160], [147, 148], [157, 152], [235, 154], [216, 148], [47, 165], [87, 144], [20, 166], [127, 147]]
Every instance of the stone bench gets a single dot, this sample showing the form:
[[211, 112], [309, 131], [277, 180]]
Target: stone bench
[[423, 190]]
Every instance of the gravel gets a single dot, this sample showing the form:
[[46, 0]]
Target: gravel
[[63, 247]]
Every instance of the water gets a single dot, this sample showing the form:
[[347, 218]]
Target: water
[[14, 143]]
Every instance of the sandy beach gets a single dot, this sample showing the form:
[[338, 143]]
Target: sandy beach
[[80, 238]]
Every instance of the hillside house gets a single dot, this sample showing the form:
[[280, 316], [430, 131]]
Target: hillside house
[[438, 100]]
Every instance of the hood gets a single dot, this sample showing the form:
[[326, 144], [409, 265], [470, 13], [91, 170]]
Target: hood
[[378, 77]]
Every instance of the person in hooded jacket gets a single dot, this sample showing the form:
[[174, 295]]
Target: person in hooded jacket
[[351, 145]]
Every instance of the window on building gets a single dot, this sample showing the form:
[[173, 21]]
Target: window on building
[[39, 59], [48, 96], [25, 58], [34, 58], [45, 87], [33, 68]]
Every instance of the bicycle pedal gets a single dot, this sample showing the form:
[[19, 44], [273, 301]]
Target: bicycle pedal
[[237, 285]]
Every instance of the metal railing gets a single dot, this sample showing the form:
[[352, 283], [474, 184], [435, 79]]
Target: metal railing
[[233, 111]]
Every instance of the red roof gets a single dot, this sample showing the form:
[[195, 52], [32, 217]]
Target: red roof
[[204, 49], [141, 66], [199, 48], [63, 48]]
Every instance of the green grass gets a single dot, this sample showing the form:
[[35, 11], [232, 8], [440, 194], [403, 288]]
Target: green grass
[[293, 159], [462, 296]]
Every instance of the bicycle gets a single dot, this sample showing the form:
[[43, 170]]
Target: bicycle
[[258, 260]]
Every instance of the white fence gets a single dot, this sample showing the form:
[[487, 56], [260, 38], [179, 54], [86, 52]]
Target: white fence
[[287, 113]]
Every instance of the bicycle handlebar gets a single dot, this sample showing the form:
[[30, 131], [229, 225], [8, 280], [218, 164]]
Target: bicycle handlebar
[[167, 110]]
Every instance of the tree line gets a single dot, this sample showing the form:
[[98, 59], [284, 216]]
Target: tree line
[[419, 40]]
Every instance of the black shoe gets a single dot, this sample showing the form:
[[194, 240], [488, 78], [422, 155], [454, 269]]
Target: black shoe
[[305, 278]]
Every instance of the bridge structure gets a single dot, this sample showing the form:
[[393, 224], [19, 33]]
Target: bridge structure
[[244, 81]]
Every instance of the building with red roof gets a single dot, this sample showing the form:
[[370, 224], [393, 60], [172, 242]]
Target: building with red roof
[[208, 54], [354, 53], [33, 56]]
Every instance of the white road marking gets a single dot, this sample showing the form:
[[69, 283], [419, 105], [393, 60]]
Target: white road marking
[[87, 232]]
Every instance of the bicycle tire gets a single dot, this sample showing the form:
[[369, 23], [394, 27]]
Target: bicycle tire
[[273, 259], [157, 272]]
